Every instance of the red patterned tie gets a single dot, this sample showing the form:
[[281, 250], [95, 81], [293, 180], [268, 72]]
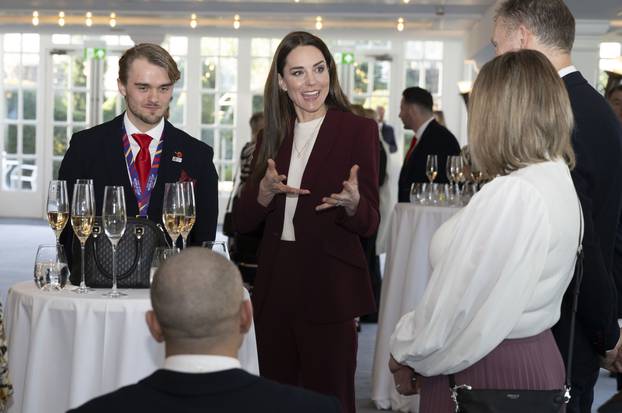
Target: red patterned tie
[[143, 160], [412, 146]]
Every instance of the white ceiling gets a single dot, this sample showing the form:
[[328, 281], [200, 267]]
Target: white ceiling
[[439, 16]]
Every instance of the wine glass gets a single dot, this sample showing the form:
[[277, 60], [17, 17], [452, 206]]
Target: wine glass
[[431, 168], [219, 247], [114, 219], [190, 212], [57, 207], [51, 270], [82, 218], [173, 210], [160, 254]]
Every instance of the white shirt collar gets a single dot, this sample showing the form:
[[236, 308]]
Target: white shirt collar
[[422, 128], [567, 70], [155, 132], [200, 363]]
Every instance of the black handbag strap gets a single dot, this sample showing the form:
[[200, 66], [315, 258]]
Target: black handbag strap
[[129, 271], [578, 276]]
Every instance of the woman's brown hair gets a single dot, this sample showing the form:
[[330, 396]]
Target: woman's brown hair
[[279, 113], [519, 114]]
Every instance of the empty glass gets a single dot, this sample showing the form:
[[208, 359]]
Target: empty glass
[[160, 254], [114, 219], [219, 247], [51, 271]]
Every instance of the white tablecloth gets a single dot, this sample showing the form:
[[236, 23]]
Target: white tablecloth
[[65, 348], [406, 275]]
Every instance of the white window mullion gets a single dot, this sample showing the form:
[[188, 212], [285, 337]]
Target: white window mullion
[[193, 87]]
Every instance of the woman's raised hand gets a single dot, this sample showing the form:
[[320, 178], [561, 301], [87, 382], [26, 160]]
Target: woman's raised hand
[[272, 184], [349, 196]]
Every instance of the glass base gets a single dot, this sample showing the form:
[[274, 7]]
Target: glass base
[[114, 294], [82, 290]]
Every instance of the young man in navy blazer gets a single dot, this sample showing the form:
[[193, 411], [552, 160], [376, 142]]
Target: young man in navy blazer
[[200, 314], [548, 26], [141, 151]]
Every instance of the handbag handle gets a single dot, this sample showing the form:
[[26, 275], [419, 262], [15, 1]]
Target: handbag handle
[[102, 270]]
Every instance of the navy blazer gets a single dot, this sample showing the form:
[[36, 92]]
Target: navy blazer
[[334, 272], [97, 153], [436, 140], [597, 142], [228, 391], [388, 135]]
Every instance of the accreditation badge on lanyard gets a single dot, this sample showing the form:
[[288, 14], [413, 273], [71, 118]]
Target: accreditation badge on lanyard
[[143, 198]]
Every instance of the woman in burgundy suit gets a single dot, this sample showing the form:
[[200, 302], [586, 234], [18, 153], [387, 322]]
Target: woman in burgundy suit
[[315, 185]]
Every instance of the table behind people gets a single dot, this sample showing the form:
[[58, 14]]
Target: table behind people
[[406, 274], [68, 348]]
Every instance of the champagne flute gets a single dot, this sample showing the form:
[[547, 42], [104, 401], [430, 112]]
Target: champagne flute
[[431, 169], [114, 219], [458, 170], [173, 210], [57, 207], [82, 218], [190, 212]]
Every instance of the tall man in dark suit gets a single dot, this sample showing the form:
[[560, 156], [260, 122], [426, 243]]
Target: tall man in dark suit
[[141, 151], [548, 26], [200, 314], [431, 138]]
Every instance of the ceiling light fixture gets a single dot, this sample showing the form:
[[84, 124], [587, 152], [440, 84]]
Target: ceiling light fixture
[[88, 20], [236, 21], [35, 18], [113, 20], [400, 24], [193, 21], [61, 18], [318, 23], [406, 1]]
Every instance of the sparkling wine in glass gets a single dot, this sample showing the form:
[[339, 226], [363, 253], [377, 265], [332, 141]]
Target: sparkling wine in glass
[[114, 220], [173, 210], [431, 169], [57, 207], [190, 211], [82, 219]]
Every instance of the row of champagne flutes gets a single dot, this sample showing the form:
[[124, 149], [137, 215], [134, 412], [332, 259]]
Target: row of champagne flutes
[[178, 215], [464, 179], [82, 216]]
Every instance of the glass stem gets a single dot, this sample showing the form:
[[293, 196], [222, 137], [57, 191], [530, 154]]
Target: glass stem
[[114, 269], [82, 280], [183, 242]]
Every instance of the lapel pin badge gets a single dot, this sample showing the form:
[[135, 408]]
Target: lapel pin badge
[[178, 156]]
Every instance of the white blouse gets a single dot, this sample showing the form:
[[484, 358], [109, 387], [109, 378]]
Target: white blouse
[[305, 135], [501, 266]]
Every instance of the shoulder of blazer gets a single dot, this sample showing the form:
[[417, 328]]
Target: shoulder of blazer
[[336, 119], [98, 133], [180, 137]]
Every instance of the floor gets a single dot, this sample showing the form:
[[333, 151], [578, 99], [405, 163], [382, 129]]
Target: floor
[[18, 246]]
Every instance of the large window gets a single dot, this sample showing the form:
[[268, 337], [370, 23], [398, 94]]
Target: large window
[[18, 111], [177, 46], [610, 60], [424, 68], [219, 68], [262, 51]]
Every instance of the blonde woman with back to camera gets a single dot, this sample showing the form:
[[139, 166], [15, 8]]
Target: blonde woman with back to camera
[[502, 264]]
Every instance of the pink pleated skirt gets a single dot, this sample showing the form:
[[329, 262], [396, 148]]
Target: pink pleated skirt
[[532, 363]]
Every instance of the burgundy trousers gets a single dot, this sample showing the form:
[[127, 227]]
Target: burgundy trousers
[[318, 357]]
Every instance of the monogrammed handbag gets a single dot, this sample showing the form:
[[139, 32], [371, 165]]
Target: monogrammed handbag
[[133, 255]]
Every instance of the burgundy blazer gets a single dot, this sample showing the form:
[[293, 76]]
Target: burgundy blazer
[[336, 282]]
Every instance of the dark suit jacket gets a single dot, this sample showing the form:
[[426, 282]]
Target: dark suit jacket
[[334, 271], [97, 153], [597, 142], [389, 137], [436, 140], [228, 391]]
